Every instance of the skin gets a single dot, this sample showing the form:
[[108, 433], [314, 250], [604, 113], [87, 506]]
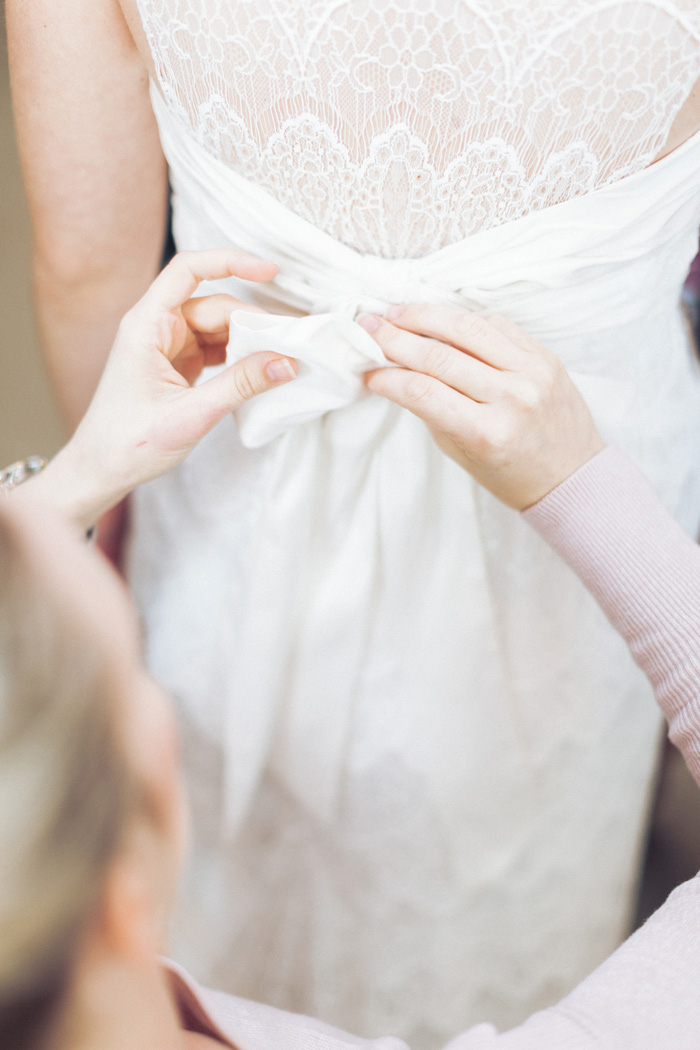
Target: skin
[[96, 187]]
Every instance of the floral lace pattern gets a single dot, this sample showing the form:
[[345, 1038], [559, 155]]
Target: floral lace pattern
[[401, 126]]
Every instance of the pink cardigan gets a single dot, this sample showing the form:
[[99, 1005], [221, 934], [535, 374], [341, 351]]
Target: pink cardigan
[[610, 527]]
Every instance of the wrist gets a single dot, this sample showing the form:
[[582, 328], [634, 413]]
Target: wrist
[[562, 483], [70, 484], [561, 471]]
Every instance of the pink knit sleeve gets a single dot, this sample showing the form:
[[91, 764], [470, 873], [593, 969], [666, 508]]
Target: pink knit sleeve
[[609, 525], [645, 997]]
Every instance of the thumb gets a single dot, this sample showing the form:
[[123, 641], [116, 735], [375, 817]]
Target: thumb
[[245, 379]]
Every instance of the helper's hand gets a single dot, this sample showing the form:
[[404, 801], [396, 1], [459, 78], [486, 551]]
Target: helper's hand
[[497, 401], [145, 416]]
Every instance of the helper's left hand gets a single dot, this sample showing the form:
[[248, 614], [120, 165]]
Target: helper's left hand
[[145, 416], [497, 401]]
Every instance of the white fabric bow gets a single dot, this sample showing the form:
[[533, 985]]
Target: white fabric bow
[[333, 354]]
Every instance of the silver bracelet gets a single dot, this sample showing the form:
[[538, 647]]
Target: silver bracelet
[[20, 471], [23, 470]]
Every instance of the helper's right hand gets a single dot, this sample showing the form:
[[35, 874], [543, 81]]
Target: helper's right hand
[[146, 416], [501, 404]]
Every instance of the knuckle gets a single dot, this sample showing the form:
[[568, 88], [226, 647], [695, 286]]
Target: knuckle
[[245, 386], [550, 372], [499, 440], [418, 389], [503, 324], [471, 326], [503, 327], [140, 326], [527, 394], [438, 357], [390, 337], [181, 262], [479, 445], [420, 315]]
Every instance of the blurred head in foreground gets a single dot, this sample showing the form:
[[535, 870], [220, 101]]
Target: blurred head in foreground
[[91, 814]]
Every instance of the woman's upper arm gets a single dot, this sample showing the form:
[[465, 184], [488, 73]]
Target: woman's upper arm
[[95, 173]]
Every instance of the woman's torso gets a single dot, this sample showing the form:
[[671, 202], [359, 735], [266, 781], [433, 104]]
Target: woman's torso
[[367, 649]]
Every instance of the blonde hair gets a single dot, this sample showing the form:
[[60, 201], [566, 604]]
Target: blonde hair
[[65, 790]]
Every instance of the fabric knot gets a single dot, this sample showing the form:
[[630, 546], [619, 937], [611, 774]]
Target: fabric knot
[[333, 353], [393, 280]]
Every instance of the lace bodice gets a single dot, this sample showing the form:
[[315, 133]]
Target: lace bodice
[[401, 126]]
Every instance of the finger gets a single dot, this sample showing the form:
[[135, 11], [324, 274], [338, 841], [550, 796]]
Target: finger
[[466, 330], [212, 313], [515, 333], [461, 371], [185, 272], [251, 376], [438, 405]]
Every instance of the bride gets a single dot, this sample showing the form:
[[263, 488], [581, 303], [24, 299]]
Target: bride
[[391, 799]]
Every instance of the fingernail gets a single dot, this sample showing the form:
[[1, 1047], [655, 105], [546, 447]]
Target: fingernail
[[368, 322], [394, 312], [280, 371]]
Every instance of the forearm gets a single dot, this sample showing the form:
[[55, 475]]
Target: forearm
[[612, 529], [78, 319], [644, 997], [69, 486], [95, 178]]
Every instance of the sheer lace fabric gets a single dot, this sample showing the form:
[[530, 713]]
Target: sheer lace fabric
[[403, 126]]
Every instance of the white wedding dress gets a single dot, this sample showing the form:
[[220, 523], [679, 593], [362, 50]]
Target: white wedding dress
[[420, 759]]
